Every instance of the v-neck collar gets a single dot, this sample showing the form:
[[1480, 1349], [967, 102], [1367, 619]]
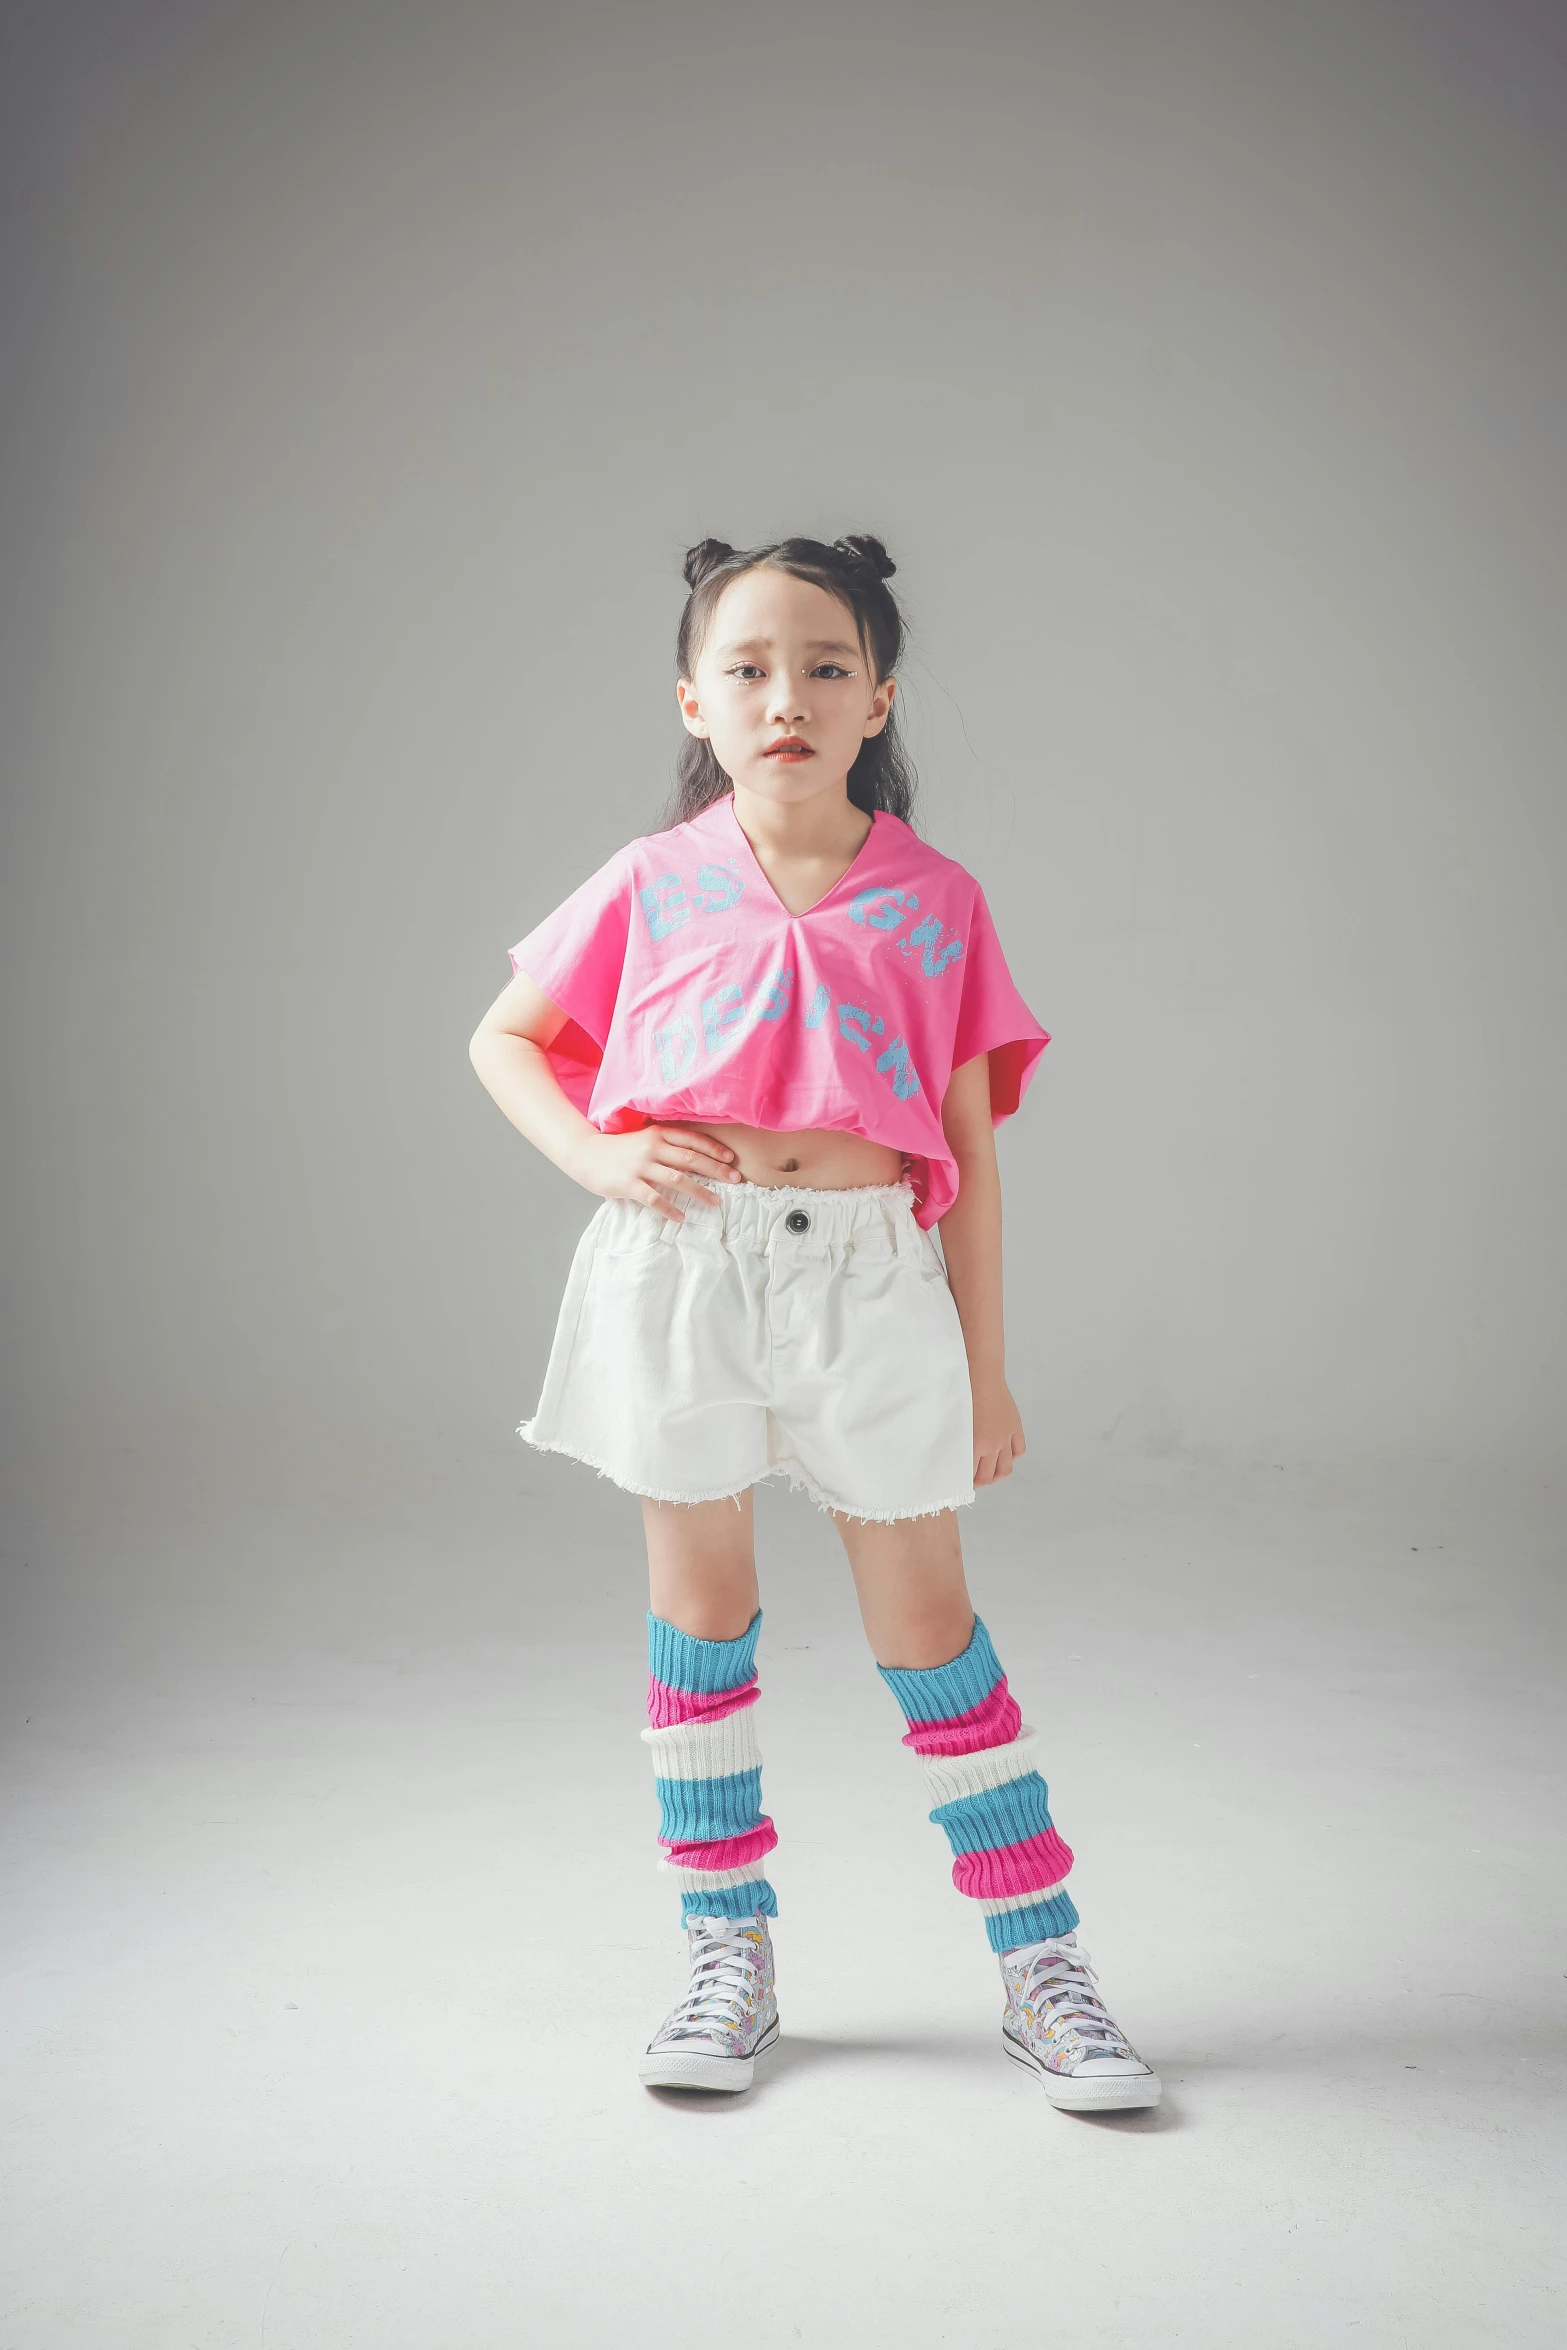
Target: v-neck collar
[[724, 809]]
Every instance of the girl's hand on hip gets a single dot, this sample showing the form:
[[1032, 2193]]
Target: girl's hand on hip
[[998, 1429], [653, 1161]]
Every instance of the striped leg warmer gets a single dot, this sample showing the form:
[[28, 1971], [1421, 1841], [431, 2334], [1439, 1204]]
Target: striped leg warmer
[[701, 1709], [977, 1757]]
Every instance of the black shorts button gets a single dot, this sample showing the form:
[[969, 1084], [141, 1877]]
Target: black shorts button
[[797, 1220]]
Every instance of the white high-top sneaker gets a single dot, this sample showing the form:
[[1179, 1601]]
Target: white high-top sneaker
[[729, 2014], [1057, 2027]]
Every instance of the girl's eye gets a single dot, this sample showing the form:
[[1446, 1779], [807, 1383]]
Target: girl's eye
[[746, 670]]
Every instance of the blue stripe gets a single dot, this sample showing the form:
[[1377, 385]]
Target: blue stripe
[[1001, 1815], [755, 1899], [1058, 1915], [935, 1693], [703, 1668], [695, 1811]]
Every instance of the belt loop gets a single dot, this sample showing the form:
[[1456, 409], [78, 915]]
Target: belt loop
[[905, 1233]]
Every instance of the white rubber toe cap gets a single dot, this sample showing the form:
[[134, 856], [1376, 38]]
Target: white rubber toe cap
[[1101, 2084], [701, 2064]]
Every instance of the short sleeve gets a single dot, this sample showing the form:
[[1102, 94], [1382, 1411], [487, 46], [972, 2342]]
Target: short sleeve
[[993, 1018], [576, 956]]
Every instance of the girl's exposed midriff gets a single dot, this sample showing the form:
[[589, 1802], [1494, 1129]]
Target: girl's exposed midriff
[[820, 1157]]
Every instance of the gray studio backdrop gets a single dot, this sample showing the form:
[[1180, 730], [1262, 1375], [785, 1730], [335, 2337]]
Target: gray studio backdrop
[[368, 370]]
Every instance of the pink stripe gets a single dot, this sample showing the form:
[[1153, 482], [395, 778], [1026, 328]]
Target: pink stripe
[[1015, 1868], [995, 1721], [666, 1706], [726, 1852]]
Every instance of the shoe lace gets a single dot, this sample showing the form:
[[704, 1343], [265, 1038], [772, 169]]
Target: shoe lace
[[724, 1963], [1058, 1981]]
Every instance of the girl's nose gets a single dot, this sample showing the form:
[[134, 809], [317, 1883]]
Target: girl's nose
[[786, 700]]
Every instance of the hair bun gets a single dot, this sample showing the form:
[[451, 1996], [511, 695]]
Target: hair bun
[[859, 547], [704, 557]]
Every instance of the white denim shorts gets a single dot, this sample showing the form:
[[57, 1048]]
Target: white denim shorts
[[780, 1330]]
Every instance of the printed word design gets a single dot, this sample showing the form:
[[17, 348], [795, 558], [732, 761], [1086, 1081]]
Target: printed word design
[[723, 1015], [884, 909], [667, 907]]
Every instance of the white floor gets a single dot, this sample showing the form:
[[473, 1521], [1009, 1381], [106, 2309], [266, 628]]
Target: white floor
[[333, 1928]]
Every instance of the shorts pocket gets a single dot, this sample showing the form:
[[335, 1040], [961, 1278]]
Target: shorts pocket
[[931, 1263], [630, 1228]]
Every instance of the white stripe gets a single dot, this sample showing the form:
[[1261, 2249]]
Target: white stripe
[[706, 1750], [713, 1880], [996, 1909], [952, 1776]]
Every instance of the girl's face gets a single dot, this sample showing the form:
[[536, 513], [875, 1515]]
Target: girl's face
[[782, 690]]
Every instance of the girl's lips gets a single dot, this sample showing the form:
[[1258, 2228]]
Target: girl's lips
[[790, 751]]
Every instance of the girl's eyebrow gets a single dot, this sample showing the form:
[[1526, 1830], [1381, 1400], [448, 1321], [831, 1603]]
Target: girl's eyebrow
[[817, 644]]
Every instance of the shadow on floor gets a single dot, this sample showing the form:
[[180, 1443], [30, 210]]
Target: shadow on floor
[[796, 2054]]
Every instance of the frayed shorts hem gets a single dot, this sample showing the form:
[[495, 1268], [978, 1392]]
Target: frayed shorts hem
[[799, 1478]]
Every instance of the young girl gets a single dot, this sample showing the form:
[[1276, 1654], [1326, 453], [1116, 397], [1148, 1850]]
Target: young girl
[[776, 1039]]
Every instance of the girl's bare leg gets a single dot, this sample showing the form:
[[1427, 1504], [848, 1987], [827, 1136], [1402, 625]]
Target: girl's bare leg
[[702, 1687], [701, 1559], [913, 1595], [993, 1807]]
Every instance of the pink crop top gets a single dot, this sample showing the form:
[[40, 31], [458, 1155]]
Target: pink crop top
[[692, 994]]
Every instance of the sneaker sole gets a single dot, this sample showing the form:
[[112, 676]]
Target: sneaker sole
[[670, 2070], [1100, 2093]]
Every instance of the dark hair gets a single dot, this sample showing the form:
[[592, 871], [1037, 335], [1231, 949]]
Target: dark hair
[[855, 570]]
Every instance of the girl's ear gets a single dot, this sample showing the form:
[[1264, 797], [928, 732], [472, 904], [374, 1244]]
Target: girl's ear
[[691, 716], [881, 706]]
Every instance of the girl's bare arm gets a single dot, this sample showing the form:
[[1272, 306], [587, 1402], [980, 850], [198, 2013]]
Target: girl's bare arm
[[507, 1050], [971, 1244]]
